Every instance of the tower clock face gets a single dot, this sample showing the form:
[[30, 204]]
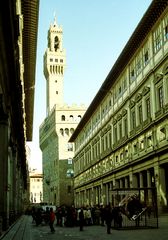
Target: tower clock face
[[56, 43]]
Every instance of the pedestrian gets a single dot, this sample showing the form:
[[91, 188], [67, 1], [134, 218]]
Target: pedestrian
[[108, 218], [33, 213], [47, 216], [81, 219], [52, 219], [97, 215], [38, 217], [102, 214]]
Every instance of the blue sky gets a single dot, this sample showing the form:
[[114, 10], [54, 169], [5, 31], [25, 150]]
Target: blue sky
[[94, 34]]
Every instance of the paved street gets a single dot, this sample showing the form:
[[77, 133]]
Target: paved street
[[25, 230]]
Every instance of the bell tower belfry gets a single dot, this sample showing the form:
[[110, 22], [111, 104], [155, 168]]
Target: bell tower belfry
[[54, 66]]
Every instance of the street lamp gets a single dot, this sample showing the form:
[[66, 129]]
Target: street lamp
[[70, 173]]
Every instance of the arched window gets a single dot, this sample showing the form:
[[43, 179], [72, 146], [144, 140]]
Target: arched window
[[50, 68], [63, 117], [71, 117], [79, 118], [61, 131], [67, 131], [72, 130], [56, 43]]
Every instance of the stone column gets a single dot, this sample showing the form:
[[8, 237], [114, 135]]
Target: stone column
[[162, 180], [111, 186], [141, 184], [165, 89], [117, 183], [149, 185], [78, 199], [4, 211], [92, 196], [106, 200], [157, 184], [126, 182], [14, 181], [141, 180], [121, 183], [149, 180], [133, 180], [96, 194], [103, 193], [85, 197]]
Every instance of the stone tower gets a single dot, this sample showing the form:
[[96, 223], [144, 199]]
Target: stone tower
[[54, 66], [58, 126]]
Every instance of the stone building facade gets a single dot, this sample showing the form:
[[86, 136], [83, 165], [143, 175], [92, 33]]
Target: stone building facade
[[58, 126], [18, 42], [36, 187], [122, 140]]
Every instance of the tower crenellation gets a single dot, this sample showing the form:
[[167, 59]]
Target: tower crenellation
[[54, 67]]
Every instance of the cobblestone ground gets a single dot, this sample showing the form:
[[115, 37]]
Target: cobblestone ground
[[99, 233], [32, 232]]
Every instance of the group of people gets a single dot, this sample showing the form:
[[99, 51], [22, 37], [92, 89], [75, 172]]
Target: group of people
[[48, 216], [84, 216]]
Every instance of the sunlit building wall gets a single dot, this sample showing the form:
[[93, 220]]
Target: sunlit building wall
[[122, 140], [36, 187], [58, 126]]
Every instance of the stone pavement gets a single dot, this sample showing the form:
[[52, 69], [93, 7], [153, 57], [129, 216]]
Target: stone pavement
[[23, 229]]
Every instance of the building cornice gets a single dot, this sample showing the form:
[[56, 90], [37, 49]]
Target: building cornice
[[152, 14]]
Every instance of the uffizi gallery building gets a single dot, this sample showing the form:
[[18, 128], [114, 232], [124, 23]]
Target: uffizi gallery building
[[122, 139], [18, 45]]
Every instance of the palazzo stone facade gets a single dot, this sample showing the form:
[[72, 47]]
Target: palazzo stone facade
[[58, 126]]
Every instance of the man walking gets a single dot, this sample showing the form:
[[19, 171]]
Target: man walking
[[108, 218], [52, 219]]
